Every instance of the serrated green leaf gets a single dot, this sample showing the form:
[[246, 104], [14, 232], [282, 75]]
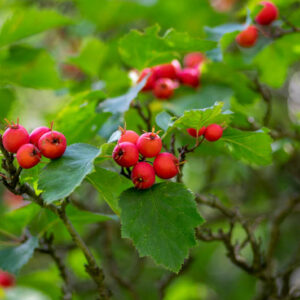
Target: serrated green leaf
[[12, 259], [62, 176], [161, 222], [164, 120]]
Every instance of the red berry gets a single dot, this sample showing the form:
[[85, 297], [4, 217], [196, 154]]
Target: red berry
[[193, 60], [177, 66], [37, 133], [196, 133], [143, 175], [166, 165], [6, 280], [28, 156], [14, 137], [268, 14], [248, 37], [13, 201], [165, 71], [164, 88], [150, 81], [52, 144], [128, 136], [213, 132], [126, 154], [149, 144], [189, 76]]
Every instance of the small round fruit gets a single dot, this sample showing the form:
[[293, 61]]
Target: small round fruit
[[248, 37], [126, 154], [165, 71], [196, 133], [14, 137], [189, 76], [166, 165], [6, 280], [150, 81], [28, 156], [213, 132], [163, 88], [52, 144], [128, 136], [193, 60], [37, 133], [149, 144], [268, 13], [143, 175]]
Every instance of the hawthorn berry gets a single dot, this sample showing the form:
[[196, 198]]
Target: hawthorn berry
[[196, 133], [177, 66], [150, 81], [165, 71], [193, 60], [213, 132], [248, 37], [52, 144], [126, 154], [28, 156], [37, 133], [128, 136], [14, 137], [268, 13], [164, 88], [6, 280], [189, 76], [143, 175], [149, 144], [166, 165]]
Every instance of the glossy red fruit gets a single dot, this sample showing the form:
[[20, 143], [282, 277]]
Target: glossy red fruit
[[126, 154], [52, 144], [196, 133], [213, 132], [177, 66], [268, 14], [189, 76], [193, 60], [143, 175], [28, 156], [166, 165], [128, 136], [248, 37], [149, 144], [164, 88], [165, 71], [6, 280], [150, 81], [37, 133], [14, 137]]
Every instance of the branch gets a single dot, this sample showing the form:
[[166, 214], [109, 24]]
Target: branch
[[145, 118]]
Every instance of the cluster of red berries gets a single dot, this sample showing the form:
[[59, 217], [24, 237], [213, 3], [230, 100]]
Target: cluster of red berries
[[248, 37], [129, 149], [30, 148], [6, 279], [211, 133], [165, 78]]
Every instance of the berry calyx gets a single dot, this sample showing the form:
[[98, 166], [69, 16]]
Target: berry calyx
[[37, 133], [165, 71], [268, 13], [164, 88], [193, 60], [213, 132], [196, 133], [189, 76], [128, 136], [126, 154], [166, 165], [248, 37], [150, 81], [52, 144], [143, 175], [14, 137], [149, 144], [6, 280], [28, 156]]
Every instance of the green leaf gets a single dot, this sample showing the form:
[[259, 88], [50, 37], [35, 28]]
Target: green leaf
[[12, 259], [161, 222], [62, 176], [105, 152], [251, 147], [27, 22], [164, 120], [7, 94], [109, 185]]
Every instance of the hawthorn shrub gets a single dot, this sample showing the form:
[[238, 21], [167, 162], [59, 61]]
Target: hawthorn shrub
[[149, 149]]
